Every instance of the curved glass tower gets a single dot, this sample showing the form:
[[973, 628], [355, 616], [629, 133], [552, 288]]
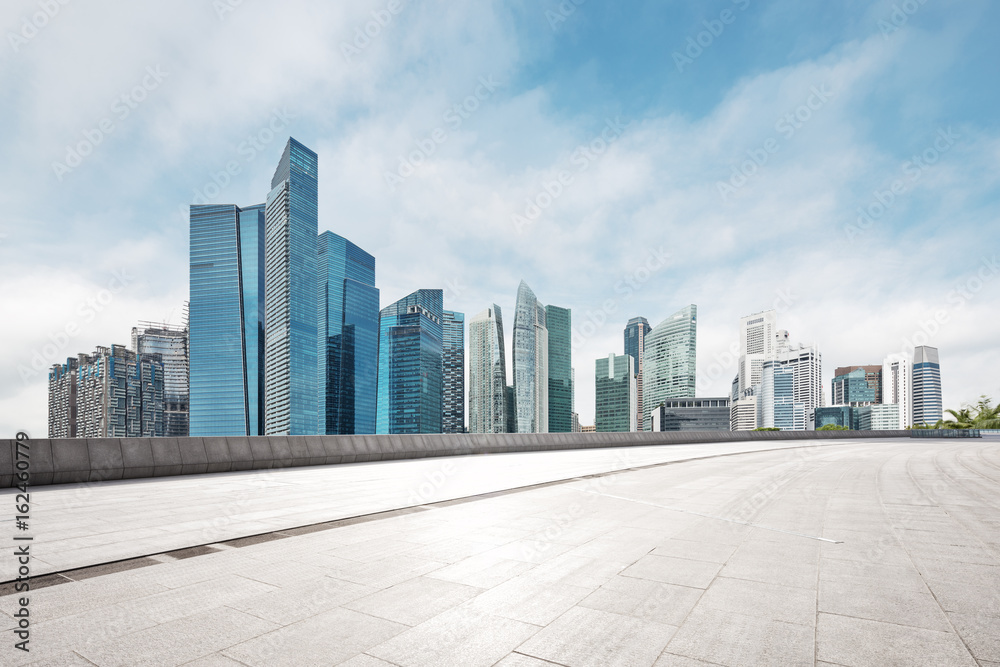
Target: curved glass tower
[[487, 373], [668, 361], [531, 368]]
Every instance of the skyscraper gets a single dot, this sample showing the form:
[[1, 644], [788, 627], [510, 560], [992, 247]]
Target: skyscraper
[[226, 330], [453, 372], [291, 305], [410, 375], [897, 387], [615, 394], [856, 385], [927, 404], [171, 343], [348, 336], [487, 373], [531, 348], [559, 322], [669, 359], [758, 334], [784, 406], [635, 335]]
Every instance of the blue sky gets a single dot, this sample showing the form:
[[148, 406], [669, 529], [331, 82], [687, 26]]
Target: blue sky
[[594, 152]]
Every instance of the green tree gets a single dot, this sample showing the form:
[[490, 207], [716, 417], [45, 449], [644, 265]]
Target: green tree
[[833, 427]]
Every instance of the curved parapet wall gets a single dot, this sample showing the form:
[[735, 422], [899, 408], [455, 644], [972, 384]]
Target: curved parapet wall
[[64, 461]]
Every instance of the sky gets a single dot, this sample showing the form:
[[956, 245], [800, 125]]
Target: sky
[[838, 162]]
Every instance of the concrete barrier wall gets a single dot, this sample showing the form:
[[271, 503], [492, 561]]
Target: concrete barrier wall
[[64, 461]]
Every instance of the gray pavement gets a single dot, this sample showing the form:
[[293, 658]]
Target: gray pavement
[[851, 553]]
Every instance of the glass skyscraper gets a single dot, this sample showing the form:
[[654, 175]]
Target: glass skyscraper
[[487, 373], [227, 320], [559, 322], [348, 337], [453, 372], [927, 403], [531, 374], [856, 385], [669, 359], [615, 394], [410, 376], [635, 337], [291, 296]]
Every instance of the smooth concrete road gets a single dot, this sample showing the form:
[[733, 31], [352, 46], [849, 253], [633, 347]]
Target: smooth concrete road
[[851, 553]]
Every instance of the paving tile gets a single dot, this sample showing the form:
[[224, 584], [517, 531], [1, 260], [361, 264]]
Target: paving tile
[[530, 551], [767, 601], [385, 572], [365, 660], [214, 660], [70, 659], [706, 551], [650, 600], [179, 641], [680, 571], [772, 571], [180, 602], [673, 660], [327, 638], [979, 599], [528, 599], [591, 638], [414, 601], [308, 598], [520, 660], [738, 640], [457, 637], [77, 597], [981, 633], [855, 641], [881, 601], [833, 569], [482, 571], [90, 628]]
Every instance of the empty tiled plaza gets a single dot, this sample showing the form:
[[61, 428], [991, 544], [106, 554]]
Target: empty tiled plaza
[[842, 552]]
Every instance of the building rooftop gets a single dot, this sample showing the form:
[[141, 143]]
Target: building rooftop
[[839, 552]]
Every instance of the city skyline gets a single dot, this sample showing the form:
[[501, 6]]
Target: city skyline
[[789, 235]]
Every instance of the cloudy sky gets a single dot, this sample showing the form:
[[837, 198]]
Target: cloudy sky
[[839, 161]]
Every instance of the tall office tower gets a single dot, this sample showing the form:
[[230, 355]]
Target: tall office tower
[[669, 359], [758, 338], [348, 337], [777, 407], [927, 404], [576, 423], [559, 322], [635, 336], [226, 321], [112, 393], [616, 394], [856, 385], [743, 411], [453, 372], [897, 387], [291, 335], [487, 373], [411, 366], [510, 407], [531, 371], [171, 343]]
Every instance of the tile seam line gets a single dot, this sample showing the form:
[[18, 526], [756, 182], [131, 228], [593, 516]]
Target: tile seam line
[[375, 516]]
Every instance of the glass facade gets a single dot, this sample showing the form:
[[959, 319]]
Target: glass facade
[[348, 337], [487, 373], [559, 322], [856, 385], [927, 403], [226, 320], [615, 394], [453, 359], [694, 414], [669, 357], [531, 351], [838, 415], [291, 296], [410, 370], [635, 336], [777, 407], [171, 343]]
